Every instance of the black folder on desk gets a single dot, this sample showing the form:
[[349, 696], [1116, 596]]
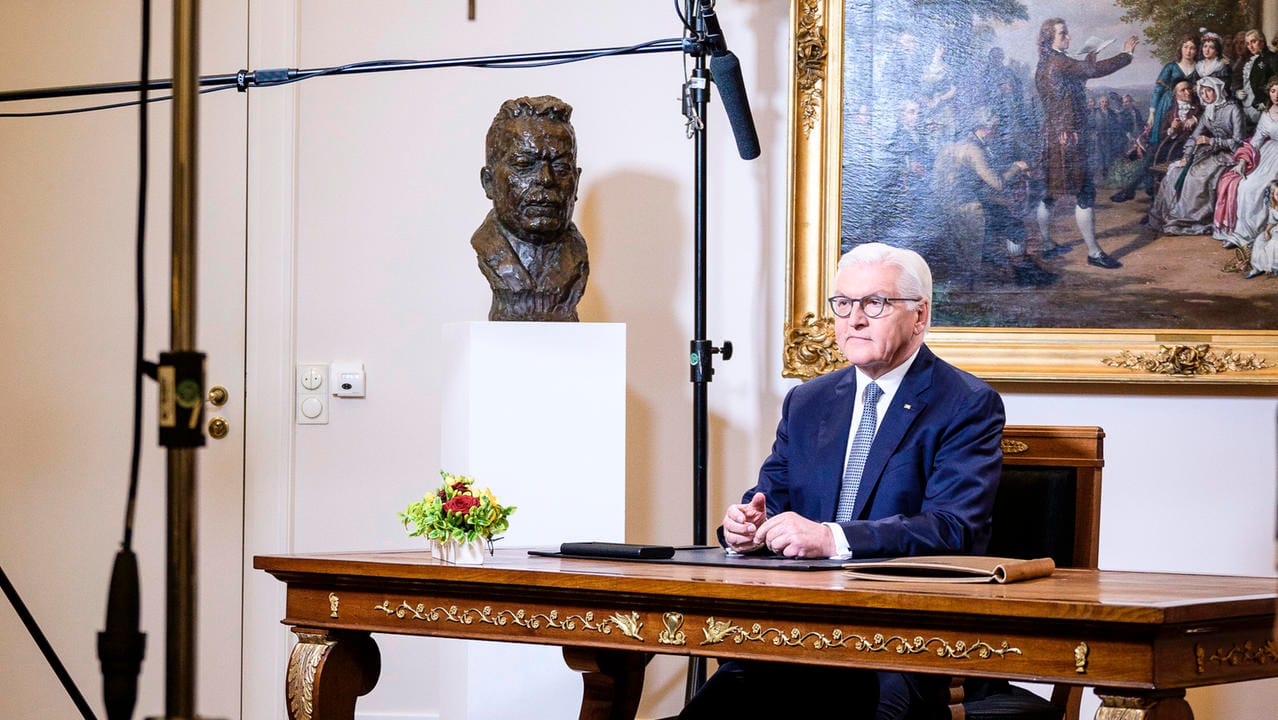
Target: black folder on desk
[[696, 555]]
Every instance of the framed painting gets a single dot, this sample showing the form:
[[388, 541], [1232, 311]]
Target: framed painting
[[1013, 144]]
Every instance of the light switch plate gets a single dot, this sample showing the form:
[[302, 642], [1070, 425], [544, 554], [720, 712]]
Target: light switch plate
[[311, 394]]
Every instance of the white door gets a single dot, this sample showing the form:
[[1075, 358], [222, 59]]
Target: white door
[[67, 212]]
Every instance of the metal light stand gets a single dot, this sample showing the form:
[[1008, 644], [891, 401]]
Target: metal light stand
[[180, 587], [180, 640]]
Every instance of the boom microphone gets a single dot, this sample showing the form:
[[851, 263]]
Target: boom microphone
[[725, 71]]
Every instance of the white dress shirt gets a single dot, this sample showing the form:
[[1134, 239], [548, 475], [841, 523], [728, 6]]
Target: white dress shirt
[[889, 383]]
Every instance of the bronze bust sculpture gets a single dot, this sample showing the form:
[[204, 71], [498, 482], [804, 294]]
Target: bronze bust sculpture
[[528, 247]]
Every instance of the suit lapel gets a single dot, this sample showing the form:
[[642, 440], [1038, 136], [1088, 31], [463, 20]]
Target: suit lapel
[[907, 405], [832, 449]]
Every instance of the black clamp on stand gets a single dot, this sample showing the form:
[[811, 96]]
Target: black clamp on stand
[[701, 359], [180, 376]]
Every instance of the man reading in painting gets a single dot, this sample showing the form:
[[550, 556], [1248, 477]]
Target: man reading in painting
[[1061, 81]]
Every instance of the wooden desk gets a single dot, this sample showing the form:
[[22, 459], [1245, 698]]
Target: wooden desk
[[1140, 638]]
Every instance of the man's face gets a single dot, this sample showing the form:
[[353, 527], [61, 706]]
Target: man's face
[[910, 114], [876, 345], [1255, 44], [533, 181], [1061, 40], [1182, 91]]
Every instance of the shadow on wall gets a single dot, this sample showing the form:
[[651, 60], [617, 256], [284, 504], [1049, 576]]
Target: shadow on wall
[[640, 260]]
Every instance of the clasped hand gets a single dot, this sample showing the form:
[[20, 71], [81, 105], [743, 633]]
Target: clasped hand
[[747, 527]]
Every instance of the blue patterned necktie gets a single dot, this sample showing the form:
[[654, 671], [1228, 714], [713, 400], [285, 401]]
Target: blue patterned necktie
[[860, 451]]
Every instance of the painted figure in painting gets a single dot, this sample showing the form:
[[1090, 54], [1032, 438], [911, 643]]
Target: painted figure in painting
[[1257, 163], [529, 250], [1213, 62], [1262, 65], [1264, 251], [1061, 81], [1183, 69], [1186, 200], [909, 157], [981, 196]]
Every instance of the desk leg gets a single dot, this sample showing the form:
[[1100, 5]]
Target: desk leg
[[612, 679], [327, 670], [1136, 705]]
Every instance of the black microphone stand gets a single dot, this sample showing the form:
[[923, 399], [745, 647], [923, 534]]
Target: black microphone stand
[[181, 596], [702, 351], [708, 40]]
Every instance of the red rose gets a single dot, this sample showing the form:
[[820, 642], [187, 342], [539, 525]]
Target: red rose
[[460, 486], [461, 504]]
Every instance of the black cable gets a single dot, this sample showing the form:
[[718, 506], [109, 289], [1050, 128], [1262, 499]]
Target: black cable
[[298, 76], [687, 22], [548, 63], [122, 645], [139, 296], [111, 106], [43, 643]]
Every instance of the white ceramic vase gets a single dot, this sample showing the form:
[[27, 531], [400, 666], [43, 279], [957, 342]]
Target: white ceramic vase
[[461, 552]]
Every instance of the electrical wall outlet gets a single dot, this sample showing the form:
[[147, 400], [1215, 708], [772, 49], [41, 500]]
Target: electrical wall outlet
[[312, 394]]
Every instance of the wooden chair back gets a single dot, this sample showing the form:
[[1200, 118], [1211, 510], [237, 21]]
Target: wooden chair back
[[1048, 502], [1048, 505]]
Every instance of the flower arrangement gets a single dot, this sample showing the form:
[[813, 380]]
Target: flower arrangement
[[457, 511]]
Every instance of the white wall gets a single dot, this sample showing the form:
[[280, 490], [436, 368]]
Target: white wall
[[67, 210], [362, 251]]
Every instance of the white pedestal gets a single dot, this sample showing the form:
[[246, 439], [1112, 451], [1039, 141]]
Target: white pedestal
[[537, 413]]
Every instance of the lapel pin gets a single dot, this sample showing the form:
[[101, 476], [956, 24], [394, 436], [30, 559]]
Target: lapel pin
[[908, 406]]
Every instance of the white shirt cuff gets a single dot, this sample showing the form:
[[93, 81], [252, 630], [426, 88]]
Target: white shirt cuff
[[841, 549]]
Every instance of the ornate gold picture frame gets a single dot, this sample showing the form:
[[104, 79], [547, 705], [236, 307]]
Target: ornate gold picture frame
[[1008, 354]]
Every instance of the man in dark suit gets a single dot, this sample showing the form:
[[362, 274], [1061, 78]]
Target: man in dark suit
[[840, 483], [1262, 65]]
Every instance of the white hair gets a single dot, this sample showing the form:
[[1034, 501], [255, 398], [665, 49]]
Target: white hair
[[914, 278]]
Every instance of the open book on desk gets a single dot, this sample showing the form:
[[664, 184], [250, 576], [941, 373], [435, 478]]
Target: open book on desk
[[951, 569]]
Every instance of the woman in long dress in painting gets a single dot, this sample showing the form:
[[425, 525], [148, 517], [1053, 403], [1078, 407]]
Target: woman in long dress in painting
[[1264, 252], [1178, 70], [1251, 212], [1186, 198]]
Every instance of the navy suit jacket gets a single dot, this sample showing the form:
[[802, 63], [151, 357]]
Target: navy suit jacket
[[929, 482]]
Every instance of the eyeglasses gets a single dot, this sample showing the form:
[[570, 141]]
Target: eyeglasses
[[872, 305]]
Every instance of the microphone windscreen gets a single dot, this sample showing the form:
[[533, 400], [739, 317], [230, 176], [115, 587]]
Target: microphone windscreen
[[725, 70], [121, 645]]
